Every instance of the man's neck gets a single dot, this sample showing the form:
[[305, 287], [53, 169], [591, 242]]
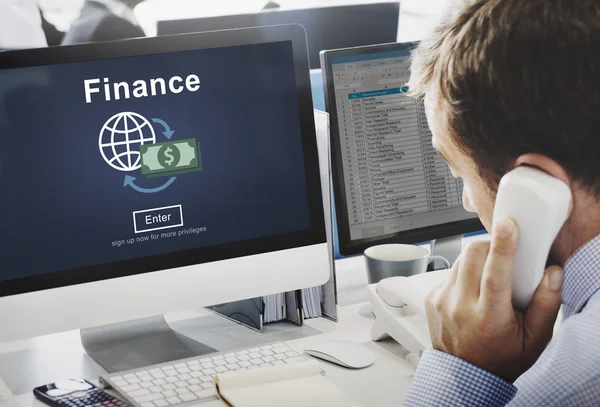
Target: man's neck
[[582, 226]]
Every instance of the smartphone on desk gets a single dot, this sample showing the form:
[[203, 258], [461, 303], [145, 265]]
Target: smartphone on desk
[[76, 393]]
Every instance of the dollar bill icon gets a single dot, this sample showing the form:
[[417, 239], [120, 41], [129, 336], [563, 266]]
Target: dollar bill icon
[[170, 158]]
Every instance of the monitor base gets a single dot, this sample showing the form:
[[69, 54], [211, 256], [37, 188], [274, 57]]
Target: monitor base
[[448, 247], [136, 344]]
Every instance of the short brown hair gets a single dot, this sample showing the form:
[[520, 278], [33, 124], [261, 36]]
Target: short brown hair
[[518, 76]]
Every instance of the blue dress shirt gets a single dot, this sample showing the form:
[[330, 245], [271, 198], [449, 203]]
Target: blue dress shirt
[[566, 374]]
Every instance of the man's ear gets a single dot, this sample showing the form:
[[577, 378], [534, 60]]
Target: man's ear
[[547, 165]]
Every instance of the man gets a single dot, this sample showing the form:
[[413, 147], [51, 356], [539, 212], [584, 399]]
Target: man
[[104, 20], [509, 83]]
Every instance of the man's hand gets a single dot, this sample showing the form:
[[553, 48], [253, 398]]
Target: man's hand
[[471, 315]]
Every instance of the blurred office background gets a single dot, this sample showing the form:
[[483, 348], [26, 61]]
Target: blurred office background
[[416, 16]]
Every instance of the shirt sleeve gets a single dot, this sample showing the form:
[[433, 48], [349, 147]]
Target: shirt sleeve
[[444, 379]]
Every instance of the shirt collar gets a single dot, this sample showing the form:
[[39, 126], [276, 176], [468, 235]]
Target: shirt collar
[[120, 9], [582, 277]]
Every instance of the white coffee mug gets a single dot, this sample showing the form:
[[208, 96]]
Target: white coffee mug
[[392, 260]]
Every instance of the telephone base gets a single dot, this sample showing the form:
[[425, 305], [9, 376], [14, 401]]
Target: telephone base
[[405, 320], [378, 332]]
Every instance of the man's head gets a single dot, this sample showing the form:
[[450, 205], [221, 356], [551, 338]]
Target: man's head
[[514, 82]]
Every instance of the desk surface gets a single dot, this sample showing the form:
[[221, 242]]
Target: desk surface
[[383, 384], [25, 364]]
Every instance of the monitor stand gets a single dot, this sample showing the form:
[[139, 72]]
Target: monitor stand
[[135, 344], [448, 247]]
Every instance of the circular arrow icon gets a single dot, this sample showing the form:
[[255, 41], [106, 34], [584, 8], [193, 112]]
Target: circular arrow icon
[[168, 133], [129, 181]]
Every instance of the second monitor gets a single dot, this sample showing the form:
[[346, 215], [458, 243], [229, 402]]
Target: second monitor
[[390, 184]]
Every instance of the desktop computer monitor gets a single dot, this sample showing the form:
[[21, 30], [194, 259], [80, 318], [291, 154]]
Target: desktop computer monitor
[[155, 175], [326, 27], [390, 184]]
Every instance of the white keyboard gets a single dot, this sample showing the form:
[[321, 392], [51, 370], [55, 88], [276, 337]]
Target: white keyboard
[[190, 381]]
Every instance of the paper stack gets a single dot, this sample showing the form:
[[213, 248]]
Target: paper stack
[[312, 298], [274, 308]]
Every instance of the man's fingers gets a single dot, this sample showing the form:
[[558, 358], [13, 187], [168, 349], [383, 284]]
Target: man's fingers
[[448, 281], [496, 282], [470, 269], [451, 276], [541, 314], [437, 295]]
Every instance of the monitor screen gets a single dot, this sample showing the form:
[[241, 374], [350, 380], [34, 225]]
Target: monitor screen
[[394, 181], [109, 160]]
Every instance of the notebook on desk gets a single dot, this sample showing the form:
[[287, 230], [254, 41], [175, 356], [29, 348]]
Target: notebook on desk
[[296, 385]]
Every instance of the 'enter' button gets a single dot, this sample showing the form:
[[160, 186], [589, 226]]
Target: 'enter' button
[[150, 220]]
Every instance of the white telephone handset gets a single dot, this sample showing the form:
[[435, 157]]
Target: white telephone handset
[[539, 204]]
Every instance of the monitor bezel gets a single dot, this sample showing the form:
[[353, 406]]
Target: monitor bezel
[[167, 44], [347, 246]]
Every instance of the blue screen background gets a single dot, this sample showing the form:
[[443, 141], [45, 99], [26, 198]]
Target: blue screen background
[[62, 205]]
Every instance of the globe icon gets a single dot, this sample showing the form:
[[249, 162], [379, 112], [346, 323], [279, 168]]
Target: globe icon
[[121, 137]]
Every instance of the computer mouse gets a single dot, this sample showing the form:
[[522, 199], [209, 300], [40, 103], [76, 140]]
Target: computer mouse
[[342, 353]]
